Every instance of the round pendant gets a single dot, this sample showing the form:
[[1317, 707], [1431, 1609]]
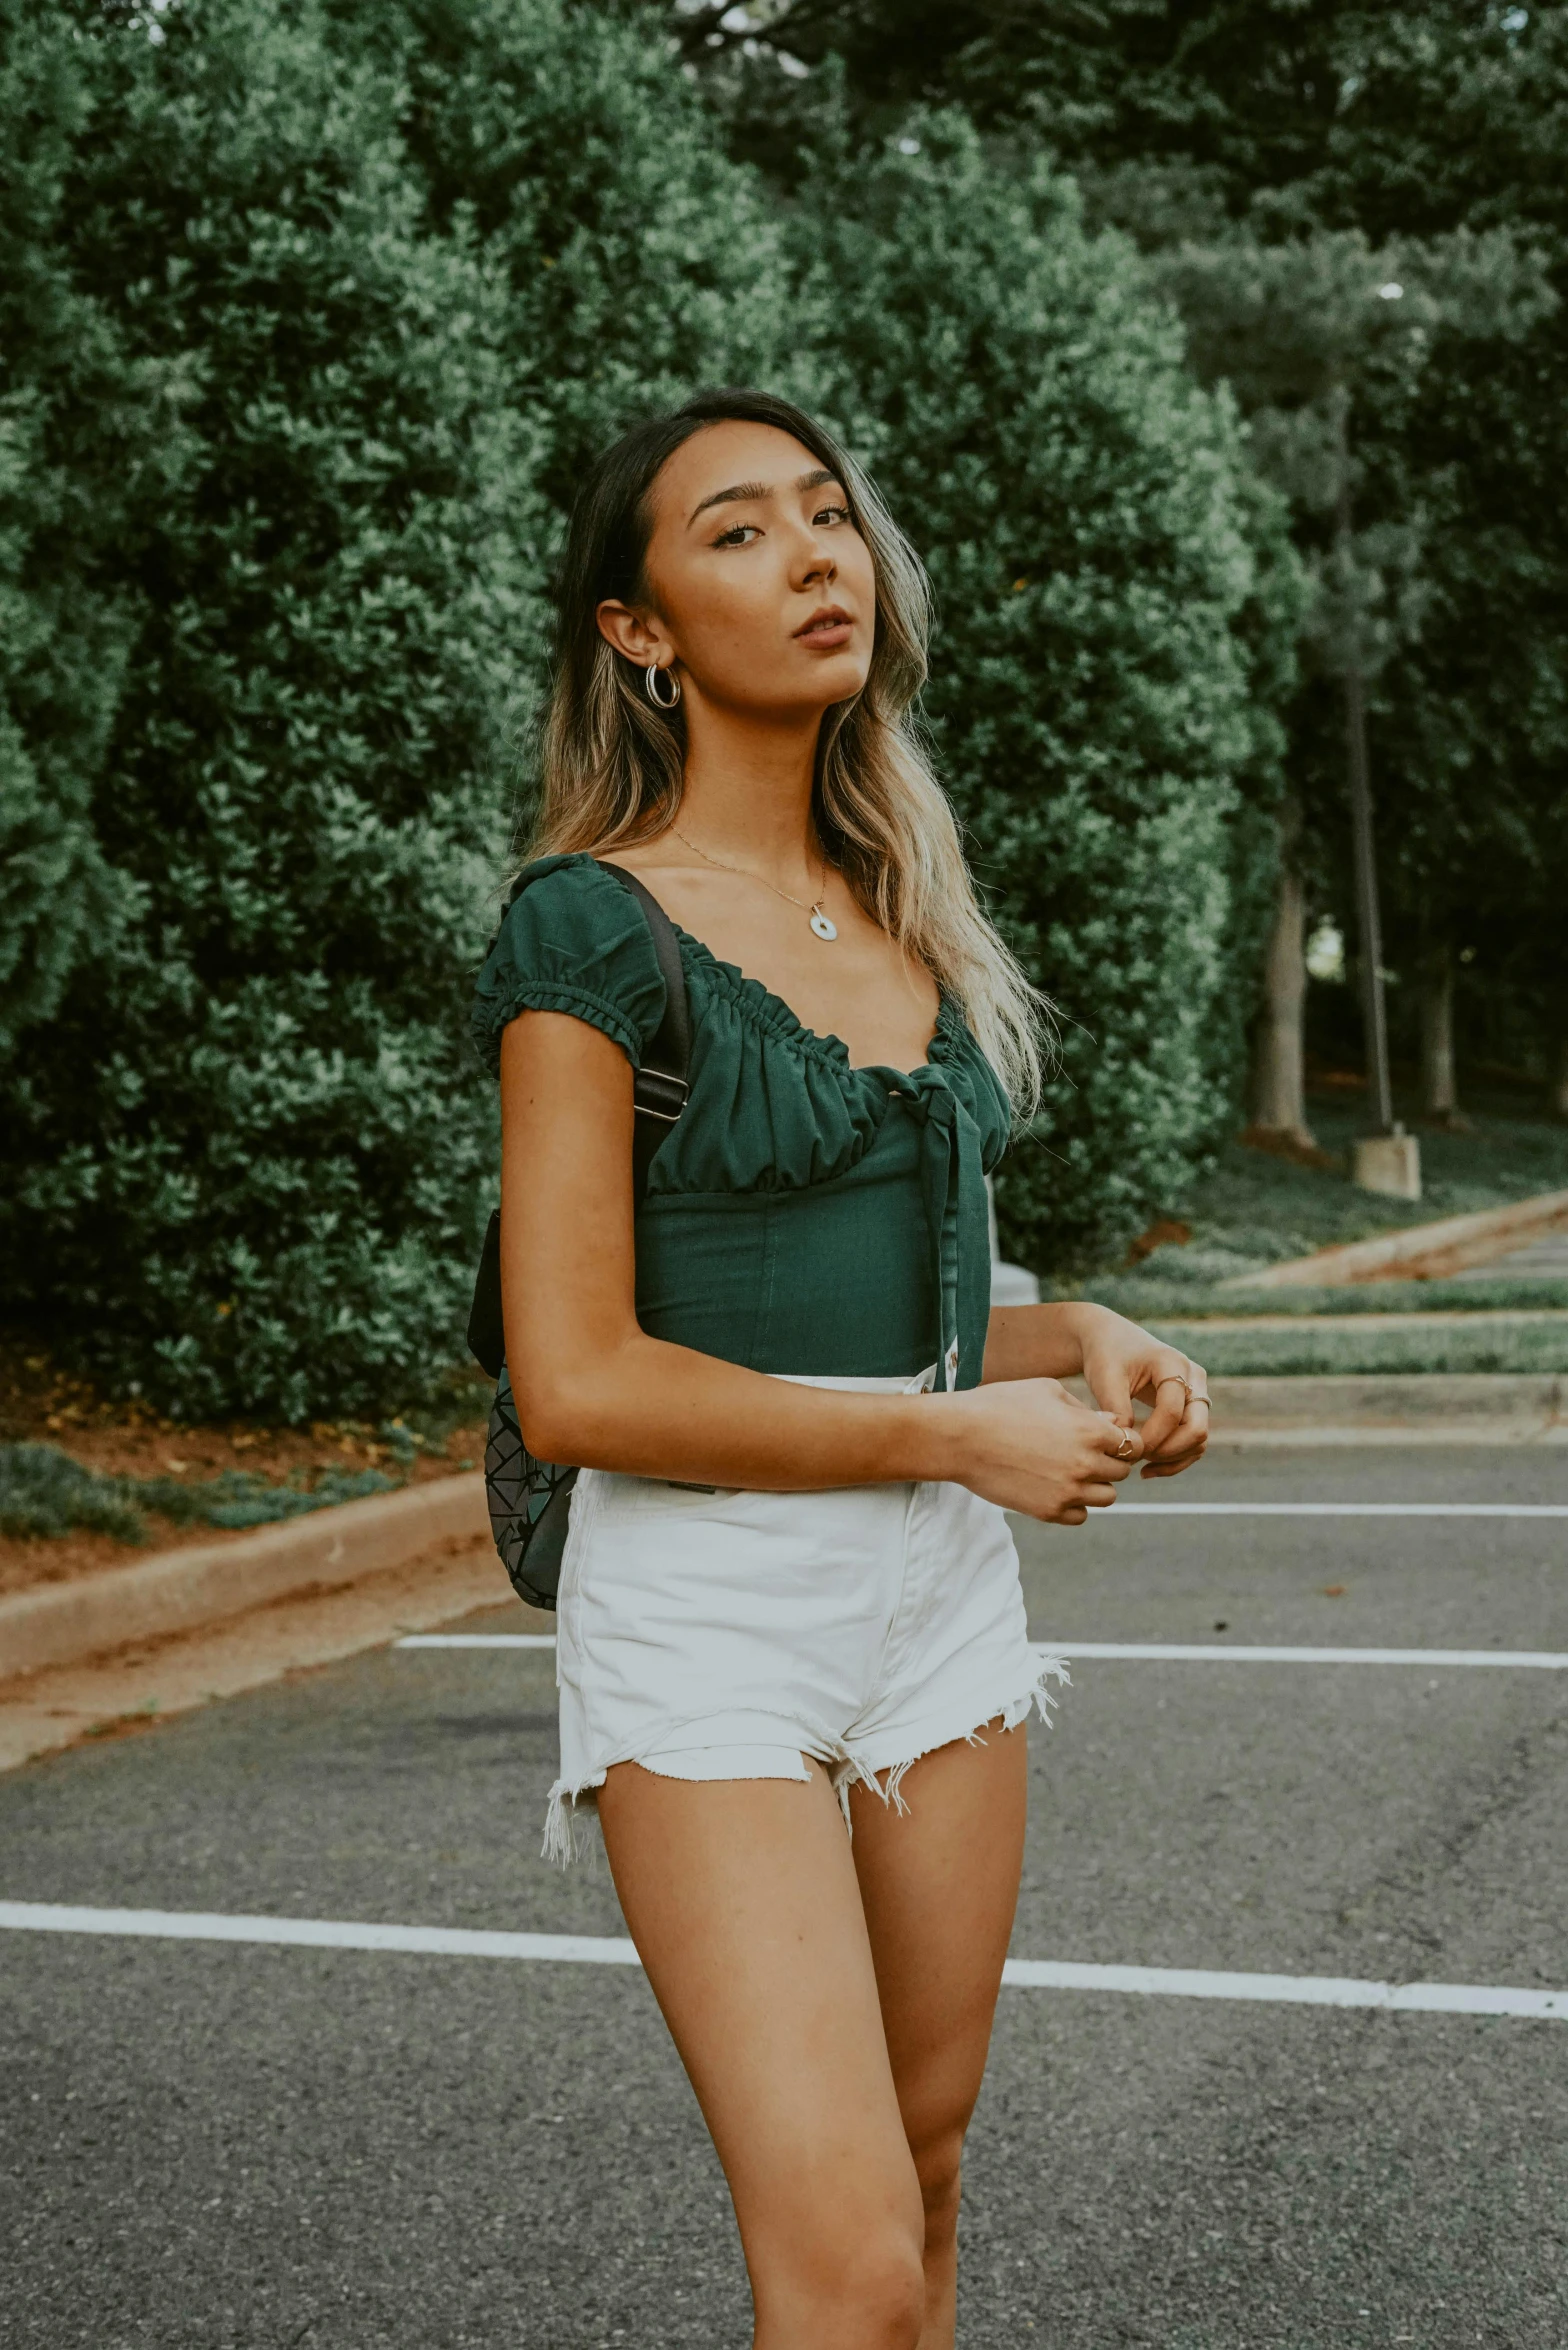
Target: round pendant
[[820, 925]]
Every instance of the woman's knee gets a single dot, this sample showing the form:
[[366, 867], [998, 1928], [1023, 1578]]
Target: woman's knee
[[853, 2288], [878, 2298]]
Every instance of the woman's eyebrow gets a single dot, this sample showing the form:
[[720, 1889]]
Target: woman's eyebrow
[[738, 492]]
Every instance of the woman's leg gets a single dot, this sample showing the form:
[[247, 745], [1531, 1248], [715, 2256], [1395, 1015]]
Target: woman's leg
[[940, 1885], [742, 1899]]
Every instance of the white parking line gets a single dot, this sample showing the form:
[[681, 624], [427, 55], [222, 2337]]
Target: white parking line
[[1141, 1651], [1023, 1974], [1328, 1509], [477, 1640], [1160, 1652]]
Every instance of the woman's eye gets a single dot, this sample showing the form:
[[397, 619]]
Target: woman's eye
[[739, 534], [832, 514]]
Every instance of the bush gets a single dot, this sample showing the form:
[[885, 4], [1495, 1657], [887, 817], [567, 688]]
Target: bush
[[313, 315], [390, 270], [80, 425], [1116, 605]]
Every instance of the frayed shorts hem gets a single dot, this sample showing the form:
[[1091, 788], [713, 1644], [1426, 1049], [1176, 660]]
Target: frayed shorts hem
[[877, 1762]]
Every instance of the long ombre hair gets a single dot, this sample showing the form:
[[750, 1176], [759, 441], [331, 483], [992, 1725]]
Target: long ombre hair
[[611, 764]]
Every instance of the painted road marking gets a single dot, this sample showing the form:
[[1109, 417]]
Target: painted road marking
[[1329, 1509], [478, 1640], [1141, 1651], [1024, 1974], [1162, 1652]]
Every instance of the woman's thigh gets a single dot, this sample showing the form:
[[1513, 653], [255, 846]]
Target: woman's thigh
[[939, 1887], [742, 1899]]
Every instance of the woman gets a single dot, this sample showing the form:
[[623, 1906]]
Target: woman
[[789, 1600]]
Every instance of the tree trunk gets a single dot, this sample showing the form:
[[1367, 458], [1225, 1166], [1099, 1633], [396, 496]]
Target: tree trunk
[[1439, 1087], [1278, 1105]]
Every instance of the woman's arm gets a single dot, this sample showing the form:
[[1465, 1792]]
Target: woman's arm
[[593, 1388], [1120, 1361]]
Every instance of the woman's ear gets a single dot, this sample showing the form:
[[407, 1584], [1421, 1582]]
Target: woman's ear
[[642, 641]]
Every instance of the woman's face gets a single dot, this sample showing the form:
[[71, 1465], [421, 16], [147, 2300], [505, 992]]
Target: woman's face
[[760, 585]]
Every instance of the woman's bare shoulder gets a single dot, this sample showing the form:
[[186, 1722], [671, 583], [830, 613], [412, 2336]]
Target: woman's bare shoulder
[[692, 894]]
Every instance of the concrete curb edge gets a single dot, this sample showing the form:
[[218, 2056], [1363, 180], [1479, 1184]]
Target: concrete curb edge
[[1404, 1408], [181, 1589], [1448, 1246]]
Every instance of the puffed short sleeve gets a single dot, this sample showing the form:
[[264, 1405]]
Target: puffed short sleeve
[[573, 940]]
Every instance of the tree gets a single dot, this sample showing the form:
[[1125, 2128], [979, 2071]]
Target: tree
[[1285, 118], [68, 385], [1301, 328], [247, 1156], [378, 279], [1117, 607]]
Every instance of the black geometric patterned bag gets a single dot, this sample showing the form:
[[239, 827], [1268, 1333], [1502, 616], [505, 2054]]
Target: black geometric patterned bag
[[529, 1498]]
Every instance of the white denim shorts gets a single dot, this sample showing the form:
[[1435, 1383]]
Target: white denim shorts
[[731, 1635]]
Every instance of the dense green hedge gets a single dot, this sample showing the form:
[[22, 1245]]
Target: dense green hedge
[[248, 1158], [311, 317], [1116, 609], [246, 1155]]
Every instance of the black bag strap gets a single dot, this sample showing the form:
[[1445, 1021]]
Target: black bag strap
[[660, 1089], [661, 1086]]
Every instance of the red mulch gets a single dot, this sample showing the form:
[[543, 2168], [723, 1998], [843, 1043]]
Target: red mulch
[[40, 1404]]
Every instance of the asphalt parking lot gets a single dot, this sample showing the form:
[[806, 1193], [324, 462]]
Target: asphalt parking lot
[[241, 2146]]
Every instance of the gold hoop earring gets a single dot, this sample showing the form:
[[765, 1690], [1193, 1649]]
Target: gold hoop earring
[[652, 684]]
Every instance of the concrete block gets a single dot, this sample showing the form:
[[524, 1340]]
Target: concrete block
[[1389, 1163]]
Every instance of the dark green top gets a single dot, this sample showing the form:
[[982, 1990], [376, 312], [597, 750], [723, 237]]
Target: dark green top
[[801, 1215]]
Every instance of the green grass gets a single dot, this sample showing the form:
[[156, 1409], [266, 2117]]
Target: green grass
[[1141, 1297], [1367, 1345], [1254, 1210], [43, 1491]]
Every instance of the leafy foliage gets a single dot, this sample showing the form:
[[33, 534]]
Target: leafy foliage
[[43, 1491], [248, 1159], [1294, 121], [70, 392], [1116, 610], [314, 312]]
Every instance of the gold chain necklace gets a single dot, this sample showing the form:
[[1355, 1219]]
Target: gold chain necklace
[[822, 926]]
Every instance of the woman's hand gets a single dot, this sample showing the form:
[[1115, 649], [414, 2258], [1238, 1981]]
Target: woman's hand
[[1124, 1363], [1031, 1446]]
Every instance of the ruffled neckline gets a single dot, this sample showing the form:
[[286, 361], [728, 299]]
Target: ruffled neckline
[[771, 1013]]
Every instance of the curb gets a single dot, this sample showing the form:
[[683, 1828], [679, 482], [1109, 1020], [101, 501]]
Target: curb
[[1505, 1344], [1434, 1407], [1448, 1246], [183, 1589]]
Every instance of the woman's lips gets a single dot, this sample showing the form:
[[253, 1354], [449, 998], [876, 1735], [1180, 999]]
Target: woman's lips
[[825, 631]]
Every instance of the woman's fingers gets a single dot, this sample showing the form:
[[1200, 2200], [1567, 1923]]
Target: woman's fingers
[[1178, 1427], [1173, 1468], [1166, 1386], [1185, 1448], [1110, 1383], [1122, 1445], [1035, 1448]]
